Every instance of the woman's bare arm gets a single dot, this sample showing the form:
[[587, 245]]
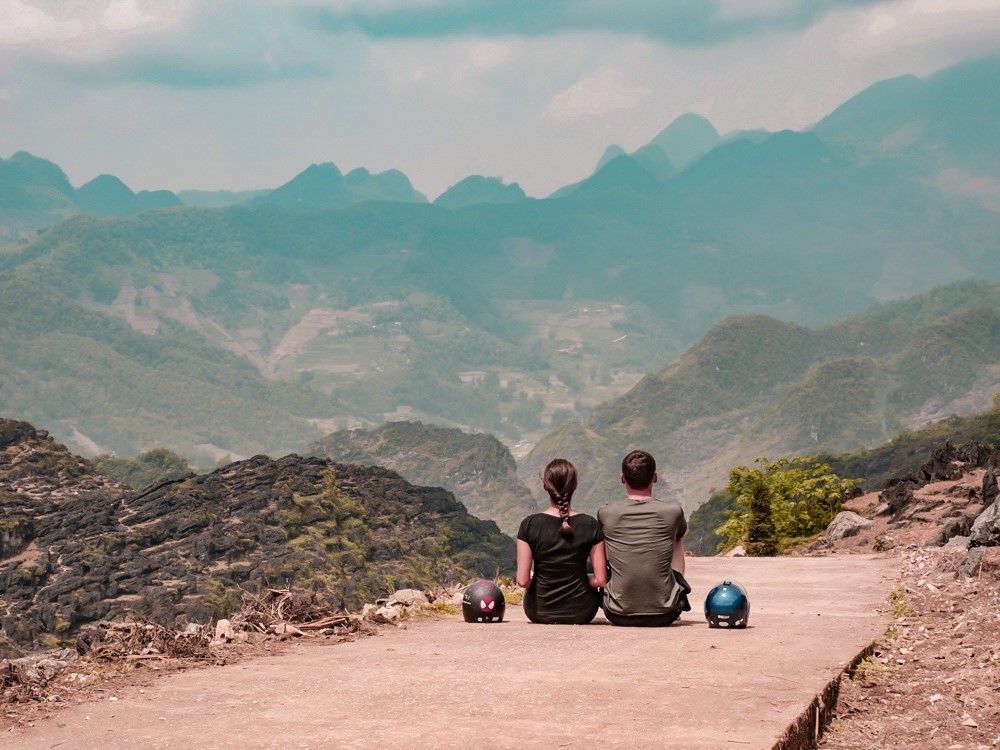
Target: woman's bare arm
[[524, 561], [599, 559]]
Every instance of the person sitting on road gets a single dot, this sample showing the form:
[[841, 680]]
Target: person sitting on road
[[558, 543], [646, 585]]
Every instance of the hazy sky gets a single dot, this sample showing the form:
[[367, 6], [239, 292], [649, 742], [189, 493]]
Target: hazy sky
[[241, 94]]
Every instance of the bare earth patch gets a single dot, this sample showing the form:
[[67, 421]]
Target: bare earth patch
[[934, 679]]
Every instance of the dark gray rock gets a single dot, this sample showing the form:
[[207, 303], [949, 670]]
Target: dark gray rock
[[986, 528], [972, 562]]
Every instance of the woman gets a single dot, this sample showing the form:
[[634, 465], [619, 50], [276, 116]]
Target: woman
[[559, 542]]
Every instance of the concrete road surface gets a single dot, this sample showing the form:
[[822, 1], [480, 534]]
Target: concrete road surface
[[450, 684]]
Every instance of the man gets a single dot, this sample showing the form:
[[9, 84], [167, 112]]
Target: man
[[642, 536]]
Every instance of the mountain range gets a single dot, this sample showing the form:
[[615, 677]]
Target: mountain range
[[343, 301]]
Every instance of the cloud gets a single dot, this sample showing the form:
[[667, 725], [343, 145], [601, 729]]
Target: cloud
[[25, 24], [966, 27], [166, 43], [596, 96], [678, 21], [65, 29], [125, 15]]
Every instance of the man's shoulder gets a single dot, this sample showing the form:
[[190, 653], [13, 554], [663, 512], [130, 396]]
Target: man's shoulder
[[669, 506], [612, 509]]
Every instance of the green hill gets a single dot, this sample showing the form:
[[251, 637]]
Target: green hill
[[478, 468], [106, 195], [754, 386], [34, 193], [105, 387]]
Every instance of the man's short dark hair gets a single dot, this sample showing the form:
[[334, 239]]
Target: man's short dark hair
[[638, 468]]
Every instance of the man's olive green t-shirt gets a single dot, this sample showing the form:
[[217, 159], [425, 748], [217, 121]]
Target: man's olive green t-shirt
[[639, 538]]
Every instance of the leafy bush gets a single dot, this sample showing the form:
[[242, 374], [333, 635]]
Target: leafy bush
[[782, 500]]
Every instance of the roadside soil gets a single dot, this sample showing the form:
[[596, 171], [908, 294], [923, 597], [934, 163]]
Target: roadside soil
[[934, 679]]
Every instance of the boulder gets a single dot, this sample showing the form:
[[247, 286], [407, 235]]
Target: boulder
[[845, 524], [387, 614], [990, 489], [224, 631], [986, 528], [972, 562], [958, 542], [408, 598]]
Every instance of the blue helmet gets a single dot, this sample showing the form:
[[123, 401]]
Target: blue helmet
[[483, 601], [727, 605]]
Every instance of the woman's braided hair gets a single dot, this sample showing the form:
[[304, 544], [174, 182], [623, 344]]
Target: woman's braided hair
[[559, 480]]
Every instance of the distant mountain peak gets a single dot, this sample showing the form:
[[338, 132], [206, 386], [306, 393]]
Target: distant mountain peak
[[621, 173], [106, 184], [324, 186], [687, 138], [106, 195], [476, 189], [611, 152], [323, 169]]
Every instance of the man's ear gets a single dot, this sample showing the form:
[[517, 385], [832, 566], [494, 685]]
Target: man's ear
[[623, 479], [656, 477]]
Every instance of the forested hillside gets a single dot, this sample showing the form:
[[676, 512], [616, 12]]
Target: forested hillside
[[755, 386], [479, 469]]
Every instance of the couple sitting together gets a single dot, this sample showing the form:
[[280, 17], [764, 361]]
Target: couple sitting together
[[634, 548]]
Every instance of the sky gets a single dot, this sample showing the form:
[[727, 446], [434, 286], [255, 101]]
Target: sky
[[245, 94]]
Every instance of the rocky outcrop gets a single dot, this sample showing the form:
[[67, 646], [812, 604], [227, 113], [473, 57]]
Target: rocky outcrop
[[184, 549], [946, 463], [950, 500], [846, 524]]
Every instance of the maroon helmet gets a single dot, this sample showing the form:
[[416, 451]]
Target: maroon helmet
[[483, 602]]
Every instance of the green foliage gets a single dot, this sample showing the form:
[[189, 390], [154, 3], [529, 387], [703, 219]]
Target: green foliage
[[156, 465], [782, 500], [703, 538], [220, 599], [900, 607]]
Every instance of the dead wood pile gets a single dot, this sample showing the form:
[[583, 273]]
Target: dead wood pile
[[138, 640], [286, 612], [125, 645]]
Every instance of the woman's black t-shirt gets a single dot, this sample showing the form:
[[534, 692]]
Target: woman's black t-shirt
[[560, 591]]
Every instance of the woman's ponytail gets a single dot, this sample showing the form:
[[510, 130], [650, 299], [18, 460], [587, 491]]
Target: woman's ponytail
[[559, 481]]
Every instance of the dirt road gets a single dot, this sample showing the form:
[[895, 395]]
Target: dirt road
[[447, 683]]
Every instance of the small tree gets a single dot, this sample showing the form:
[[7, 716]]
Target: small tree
[[782, 500]]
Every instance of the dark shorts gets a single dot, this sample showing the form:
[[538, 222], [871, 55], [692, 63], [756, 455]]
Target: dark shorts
[[659, 620]]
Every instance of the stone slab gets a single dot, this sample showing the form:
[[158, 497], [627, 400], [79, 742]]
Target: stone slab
[[449, 684]]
